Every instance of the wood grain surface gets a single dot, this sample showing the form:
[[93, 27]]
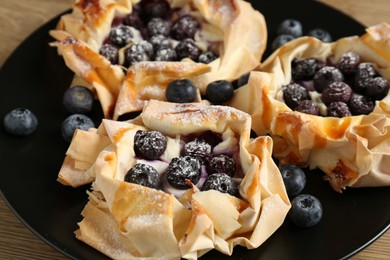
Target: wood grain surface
[[18, 19]]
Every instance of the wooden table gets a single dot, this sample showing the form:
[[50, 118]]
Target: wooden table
[[20, 18]]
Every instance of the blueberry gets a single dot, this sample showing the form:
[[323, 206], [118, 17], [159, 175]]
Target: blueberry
[[338, 109], [73, 122], [20, 122], [348, 62], [294, 179], [336, 92], [184, 27], [363, 72], [159, 41], [280, 40], [182, 168], [165, 54], [187, 49], [305, 69], [147, 46], [320, 34], [149, 145], [181, 91], [144, 175], [155, 8], [361, 105], [157, 26], [78, 99], [134, 54], [290, 26], [326, 76], [220, 91], [120, 35], [308, 107], [110, 52], [207, 57], [133, 19], [222, 164], [222, 183], [198, 148], [293, 94], [376, 88], [306, 210]]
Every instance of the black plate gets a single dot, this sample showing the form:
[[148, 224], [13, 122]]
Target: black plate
[[35, 77]]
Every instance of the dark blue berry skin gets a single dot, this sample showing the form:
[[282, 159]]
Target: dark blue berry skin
[[222, 164], [155, 8], [78, 99], [144, 175], [222, 183], [182, 168], [134, 54], [207, 57], [336, 92], [308, 107], [134, 20], [361, 105], [159, 41], [20, 122], [187, 49], [325, 76], [348, 62], [165, 54], [338, 109], [110, 52], [280, 40], [157, 26], [199, 149], [377, 88], [220, 91], [306, 211], [184, 27], [294, 94], [73, 122], [294, 179], [149, 145], [305, 69], [181, 91], [290, 26], [320, 34], [120, 35]]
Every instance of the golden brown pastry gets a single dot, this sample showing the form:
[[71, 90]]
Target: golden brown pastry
[[126, 221], [221, 23], [353, 151]]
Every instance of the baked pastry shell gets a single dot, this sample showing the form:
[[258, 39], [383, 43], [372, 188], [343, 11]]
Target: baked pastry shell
[[353, 151], [125, 220]]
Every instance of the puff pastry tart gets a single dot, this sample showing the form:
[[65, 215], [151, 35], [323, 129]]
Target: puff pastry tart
[[176, 182], [327, 105], [219, 39]]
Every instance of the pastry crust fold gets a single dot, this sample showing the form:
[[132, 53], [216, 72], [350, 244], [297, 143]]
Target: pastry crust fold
[[352, 151], [125, 220]]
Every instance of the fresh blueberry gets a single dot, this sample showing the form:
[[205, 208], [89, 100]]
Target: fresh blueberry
[[320, 34], [159, 41], [147, 46], [377, 88], [181, 91], [290, 26], [222, 164], [120, 35], [306, 210], [348, 62], [198, 148], [78, 99], [338, 109], [133, 19], [222, 183], [294, 179], [293, 94], [181, 169], [363, 72], [110, 52], [305, 69], [280, 40], [144, 175], [134, 54], [73, 122], [184, 27], [20, 122], [361, 105], [207, 57], [149, 145], [336, 92], [220, 91], [187, 49], [155, 8]]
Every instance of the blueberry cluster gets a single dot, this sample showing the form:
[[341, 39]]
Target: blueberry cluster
[[290, 29], [185, 169], [347, 87], [306, 210], [167, 36]]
